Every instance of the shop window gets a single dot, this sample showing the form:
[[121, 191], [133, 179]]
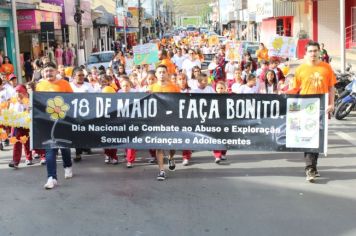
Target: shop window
[[284, 26], [280, 28]]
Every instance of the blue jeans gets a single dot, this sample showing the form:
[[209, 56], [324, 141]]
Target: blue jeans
[[51, 160]]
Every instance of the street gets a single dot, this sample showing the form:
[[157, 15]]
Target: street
[[249, 194]]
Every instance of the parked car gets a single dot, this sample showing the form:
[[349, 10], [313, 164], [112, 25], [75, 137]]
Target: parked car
[[98, 59], [203, 30], [191, 28]]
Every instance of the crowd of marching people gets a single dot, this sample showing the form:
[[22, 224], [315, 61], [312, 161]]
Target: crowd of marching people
[[179, 70]]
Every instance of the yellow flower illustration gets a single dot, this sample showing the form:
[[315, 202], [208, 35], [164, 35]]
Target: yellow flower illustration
[[277, 43], [316, 79], [57, 108]]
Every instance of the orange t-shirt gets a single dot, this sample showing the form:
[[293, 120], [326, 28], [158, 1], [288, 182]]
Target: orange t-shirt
[[55, 86], [316, 79], [262, 54], [169, 88], [170, 66]]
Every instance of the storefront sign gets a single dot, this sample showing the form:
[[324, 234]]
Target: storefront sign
[[132, 17], [47, 32], [58, 3], [264, 9], [4, 16], [31, 19], [262, 122]]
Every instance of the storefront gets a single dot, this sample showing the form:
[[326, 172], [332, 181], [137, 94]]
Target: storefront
[[277, 17], [104, 30], [7, 40], [131, 36], [29, 26]]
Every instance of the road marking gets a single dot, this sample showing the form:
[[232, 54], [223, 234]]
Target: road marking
[[346, 137]]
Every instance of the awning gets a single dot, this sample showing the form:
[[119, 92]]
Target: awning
[[106, 17]]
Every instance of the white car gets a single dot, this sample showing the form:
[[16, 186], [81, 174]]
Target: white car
[[98, 59]]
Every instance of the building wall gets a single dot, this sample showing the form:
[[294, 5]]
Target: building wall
[[350, 24], [268, 28], [302, 21], [329, 25]]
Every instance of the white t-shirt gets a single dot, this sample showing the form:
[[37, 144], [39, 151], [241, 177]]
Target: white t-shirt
[[246, 89], [4, 95], [18, 107], [188, 66], [229, 69], [193, 83], [207, 89], [95, 87], [235, 87], [178, 60], [84, 88], [10, 90]]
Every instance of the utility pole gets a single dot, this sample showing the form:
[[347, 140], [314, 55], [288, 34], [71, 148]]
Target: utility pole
[[342, 35], [139, 22], [219, 13], [78, 19], [17, 45]]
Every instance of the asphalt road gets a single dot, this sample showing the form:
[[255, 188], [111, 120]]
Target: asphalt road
[[250, 194]]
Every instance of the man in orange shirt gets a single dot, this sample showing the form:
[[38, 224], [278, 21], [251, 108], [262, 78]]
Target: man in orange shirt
[[51, 84], [164, 85], [165, 60], [314, 77]]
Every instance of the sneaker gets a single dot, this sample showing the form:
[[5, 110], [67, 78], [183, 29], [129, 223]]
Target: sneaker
[[1, 146], [107, 159], [217, 160], [129, 165], [152, 160], [43, 162], [36, 156], [171, 164], [77, 158], [115, 161], [68, 172], [12, 164], [317, 174], [6, 142], [310, 175], [185, 162], [223, 158], [161, 175], [51, 183], [29, 162]]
